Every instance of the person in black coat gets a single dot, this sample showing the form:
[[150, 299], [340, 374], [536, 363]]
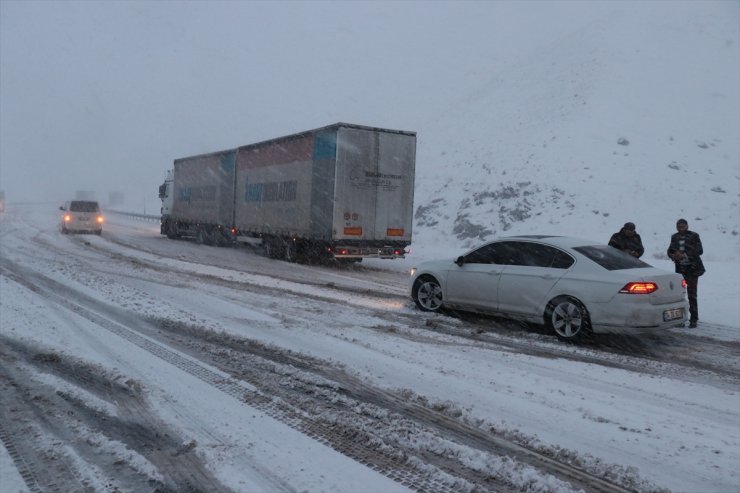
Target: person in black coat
[[628, 240], [685, 250]]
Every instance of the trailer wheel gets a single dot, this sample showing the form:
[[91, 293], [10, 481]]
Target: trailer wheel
[[219, 238], [201, 236], [271, 248], [213, 236], [290, 253]]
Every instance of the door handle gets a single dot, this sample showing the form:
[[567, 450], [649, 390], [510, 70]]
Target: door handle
[[547, 276]]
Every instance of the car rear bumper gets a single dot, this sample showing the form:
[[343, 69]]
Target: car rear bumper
[[82, 227], [636, 319]]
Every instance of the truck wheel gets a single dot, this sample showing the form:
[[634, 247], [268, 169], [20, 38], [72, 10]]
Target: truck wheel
[[170, 228]]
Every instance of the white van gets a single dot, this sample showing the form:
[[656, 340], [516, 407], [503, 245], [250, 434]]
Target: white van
[[81, 216]]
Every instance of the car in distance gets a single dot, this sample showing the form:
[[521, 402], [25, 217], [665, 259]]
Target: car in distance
[[573, 286], [81, 216]]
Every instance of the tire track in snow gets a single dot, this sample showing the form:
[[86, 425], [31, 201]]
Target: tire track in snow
[[402, 473], [392, 467]]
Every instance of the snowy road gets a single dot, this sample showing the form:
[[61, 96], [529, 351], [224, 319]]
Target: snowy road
[[129, 362]]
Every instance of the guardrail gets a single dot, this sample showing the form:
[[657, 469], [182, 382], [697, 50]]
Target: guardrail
[[134, 215]]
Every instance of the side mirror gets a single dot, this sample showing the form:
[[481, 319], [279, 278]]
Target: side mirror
[[61, 207], [162, 191], [460, 261]]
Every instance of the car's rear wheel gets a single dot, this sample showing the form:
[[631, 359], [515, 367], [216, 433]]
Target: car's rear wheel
[[427, 294], [568, 318]]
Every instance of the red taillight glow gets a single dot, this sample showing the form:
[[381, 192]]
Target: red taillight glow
[[684, 284], [639, 288], [343, 251], [397, 252]]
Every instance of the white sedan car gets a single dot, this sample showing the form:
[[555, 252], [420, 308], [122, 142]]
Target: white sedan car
[[573, 286]]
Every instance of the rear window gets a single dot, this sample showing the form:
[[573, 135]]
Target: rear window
[[611, 258], [84, 206]]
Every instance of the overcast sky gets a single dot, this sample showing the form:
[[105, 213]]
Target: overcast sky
[[104, 95]]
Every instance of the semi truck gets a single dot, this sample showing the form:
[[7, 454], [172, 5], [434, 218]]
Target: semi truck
[[343, 191]]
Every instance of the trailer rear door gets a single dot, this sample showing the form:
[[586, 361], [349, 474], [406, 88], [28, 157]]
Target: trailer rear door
[[374, 185]]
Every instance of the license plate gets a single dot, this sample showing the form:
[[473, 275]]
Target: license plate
[[674, 314]]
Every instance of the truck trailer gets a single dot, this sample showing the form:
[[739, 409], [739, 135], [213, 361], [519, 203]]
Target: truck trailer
[[342, 191]]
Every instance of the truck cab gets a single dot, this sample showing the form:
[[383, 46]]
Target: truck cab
[[166, 196]]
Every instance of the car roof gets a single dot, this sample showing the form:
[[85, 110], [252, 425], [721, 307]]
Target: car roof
[[560, 241]]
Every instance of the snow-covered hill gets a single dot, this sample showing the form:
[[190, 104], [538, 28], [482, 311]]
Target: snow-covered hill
[[634, 117]]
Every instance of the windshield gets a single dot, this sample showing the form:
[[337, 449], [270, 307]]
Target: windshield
[[611, 258]]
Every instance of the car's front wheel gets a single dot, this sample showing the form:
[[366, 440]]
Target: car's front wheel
[[568, 318], [427, 294]]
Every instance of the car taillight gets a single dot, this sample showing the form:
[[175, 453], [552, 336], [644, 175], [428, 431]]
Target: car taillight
[[684, 284], [639, 288]]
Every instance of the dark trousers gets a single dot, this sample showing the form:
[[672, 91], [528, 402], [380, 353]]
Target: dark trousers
[[692, 285]]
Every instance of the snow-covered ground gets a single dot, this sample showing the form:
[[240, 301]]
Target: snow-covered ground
[[653, 413], [131, 363]]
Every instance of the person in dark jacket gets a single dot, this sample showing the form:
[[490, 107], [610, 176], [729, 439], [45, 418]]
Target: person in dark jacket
[[685, 250], [628, 240]]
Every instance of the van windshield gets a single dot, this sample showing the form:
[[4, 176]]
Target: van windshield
[[84, 206]]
